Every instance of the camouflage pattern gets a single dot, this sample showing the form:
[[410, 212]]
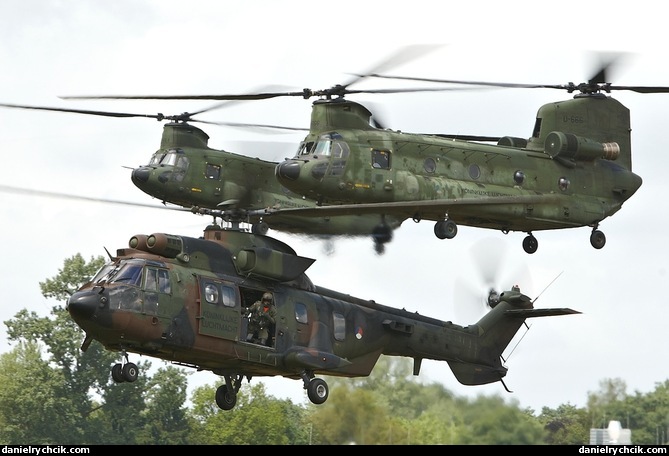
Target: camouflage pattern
[[574, 171], [184, 300], [187, 172]]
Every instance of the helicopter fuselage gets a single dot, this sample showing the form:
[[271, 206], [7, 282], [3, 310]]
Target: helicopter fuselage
[[185, 300], [186, 172], [574, 171]]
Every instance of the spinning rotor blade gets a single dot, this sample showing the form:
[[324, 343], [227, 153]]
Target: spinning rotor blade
[[596, 84], [183, 117], [339, 90], [41, 193], [472, 296]]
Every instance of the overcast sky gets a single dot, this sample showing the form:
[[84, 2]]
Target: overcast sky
[[53, 48]]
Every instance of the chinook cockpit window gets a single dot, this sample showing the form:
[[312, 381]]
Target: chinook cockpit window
[[157, 158], [331, 145], [168, 158], [305, 148]]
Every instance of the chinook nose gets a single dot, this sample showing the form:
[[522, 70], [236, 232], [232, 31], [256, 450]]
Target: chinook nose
[[82, 305], [289, 170], [140, 175]]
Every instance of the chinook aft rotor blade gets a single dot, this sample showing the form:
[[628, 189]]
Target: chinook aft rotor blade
[[596, 84]]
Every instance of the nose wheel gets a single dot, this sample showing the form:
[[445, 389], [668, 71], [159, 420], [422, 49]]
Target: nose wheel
[[124, 372]]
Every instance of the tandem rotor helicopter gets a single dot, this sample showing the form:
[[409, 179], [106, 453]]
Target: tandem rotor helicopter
[[575, 170], [186, 300]]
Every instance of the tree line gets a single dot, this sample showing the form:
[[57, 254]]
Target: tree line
[[53, 393]]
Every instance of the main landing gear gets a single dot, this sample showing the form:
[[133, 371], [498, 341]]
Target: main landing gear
[[226, 394], [447, 229], [382, 234], [317, 388], [124, 372]]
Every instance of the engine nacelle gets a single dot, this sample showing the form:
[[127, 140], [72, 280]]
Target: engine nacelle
[[567, 145]]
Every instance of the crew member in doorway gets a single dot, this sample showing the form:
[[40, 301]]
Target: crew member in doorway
[[262, 316]]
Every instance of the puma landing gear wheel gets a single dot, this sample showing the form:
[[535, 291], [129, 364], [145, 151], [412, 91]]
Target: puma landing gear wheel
[[317, 389], [124, 371], [226, 394], [127, 372]]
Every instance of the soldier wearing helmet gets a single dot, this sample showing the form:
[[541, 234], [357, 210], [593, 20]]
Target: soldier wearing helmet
[[261, 315]]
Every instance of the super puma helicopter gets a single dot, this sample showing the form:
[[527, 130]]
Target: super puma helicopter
[[575, 170], [185, 300]]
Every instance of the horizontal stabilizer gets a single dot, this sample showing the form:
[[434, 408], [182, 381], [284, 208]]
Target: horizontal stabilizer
[[528, 313]]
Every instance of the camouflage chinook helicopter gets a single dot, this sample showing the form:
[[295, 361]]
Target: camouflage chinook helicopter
[[185, 300], [575, 170]]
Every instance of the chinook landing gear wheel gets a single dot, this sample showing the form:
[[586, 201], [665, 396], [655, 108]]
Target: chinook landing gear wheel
[[530, 244], [445, 229], [382, 234], [597, 239], [226, 397], [318, 390], [260, 228]]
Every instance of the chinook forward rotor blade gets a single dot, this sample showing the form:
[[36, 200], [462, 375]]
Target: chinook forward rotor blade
[[49, 194], [404, 55]]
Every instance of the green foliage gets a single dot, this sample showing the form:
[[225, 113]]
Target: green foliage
[[257, 419], [566, 425], [53, 393], [34, 405]]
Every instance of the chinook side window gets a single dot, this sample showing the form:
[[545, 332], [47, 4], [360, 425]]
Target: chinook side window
[[212, 171], [380, 159], [180, 168]]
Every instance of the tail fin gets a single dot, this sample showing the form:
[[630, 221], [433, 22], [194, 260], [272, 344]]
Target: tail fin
[[496, 330]]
